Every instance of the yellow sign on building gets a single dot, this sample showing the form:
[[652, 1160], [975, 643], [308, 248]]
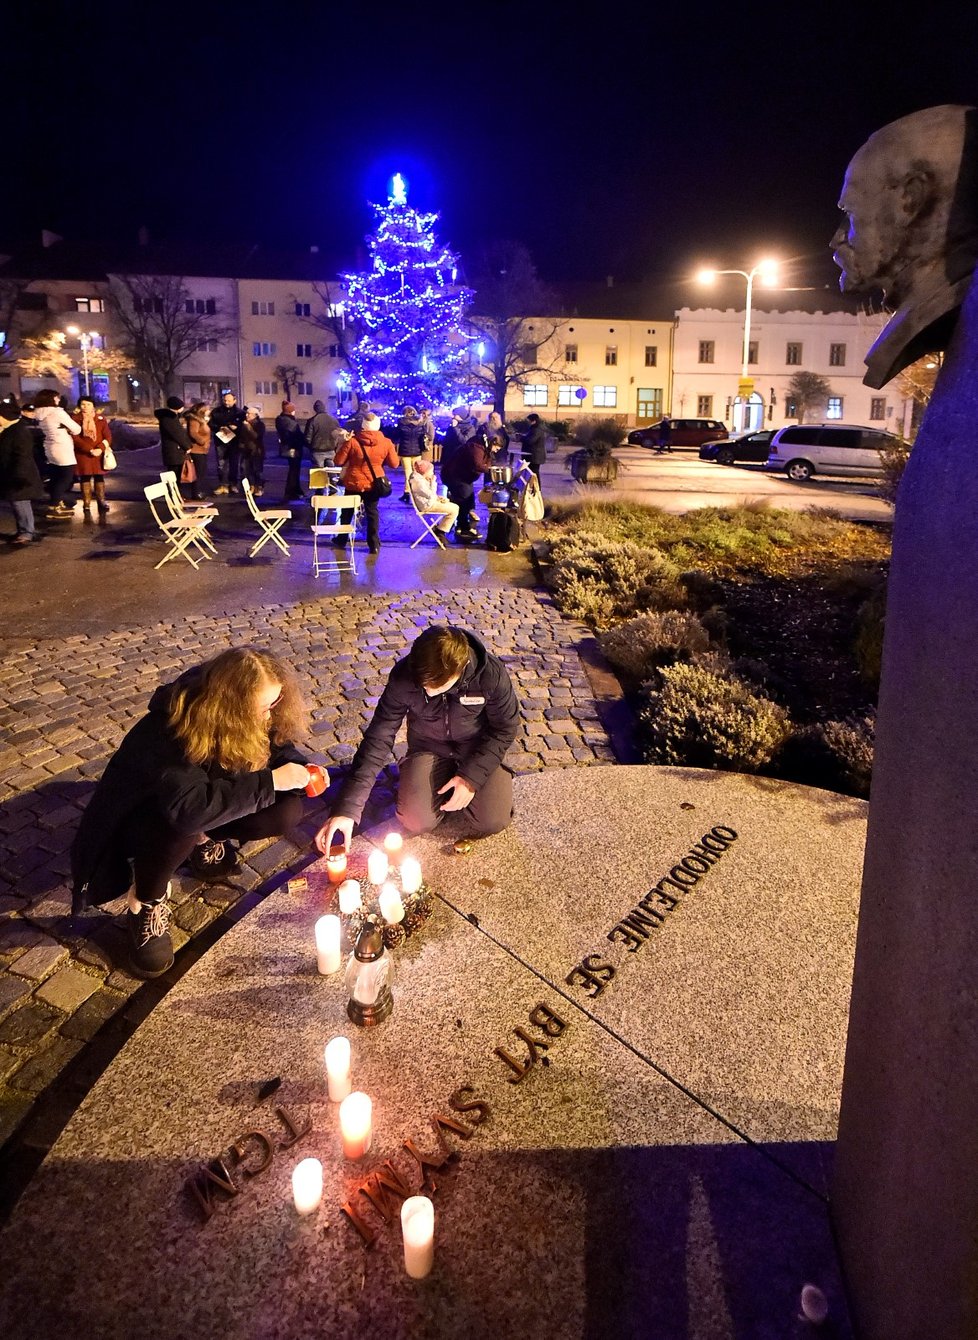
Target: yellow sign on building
[[745, 388]]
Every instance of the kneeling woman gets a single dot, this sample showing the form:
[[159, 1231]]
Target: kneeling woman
[[212, 760]]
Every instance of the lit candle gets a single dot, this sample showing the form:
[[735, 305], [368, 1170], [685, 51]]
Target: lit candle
[[418, 1228], [377, 867], [328, 945], [307, 1185], [356, 1124], [410, 875], [393, 843], [338, 1069], [391, 907], [349, 897], [336, 865]]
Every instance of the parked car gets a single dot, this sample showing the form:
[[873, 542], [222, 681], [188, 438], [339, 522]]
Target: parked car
[[807, 449], [746, 447], [685, 433]]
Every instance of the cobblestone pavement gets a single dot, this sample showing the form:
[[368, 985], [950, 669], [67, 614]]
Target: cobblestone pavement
[[68, 702]]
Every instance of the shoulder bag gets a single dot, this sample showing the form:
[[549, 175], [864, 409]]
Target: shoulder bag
[[381, 487]]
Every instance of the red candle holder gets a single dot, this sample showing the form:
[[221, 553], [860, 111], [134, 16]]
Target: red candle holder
[[316, 784], [336, 863]]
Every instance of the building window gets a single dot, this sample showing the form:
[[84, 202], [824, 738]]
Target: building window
[[605, 397], [611, 356], [262, 309], [206, 346], [706, 351], [567, 395], [89, 304], [877, 407], [704, 406], [651, 355], [266, 388], [570, 353], [535, 393], [792, 354], [649, 402], [752, 351], [262, 349], [303, 388], [302, 309], [303, 351], [837, 355], [528, 354], [332, 351], [790, 407], [34, 302], [96, 341], [148, 306], [200, 306], [834, 408]]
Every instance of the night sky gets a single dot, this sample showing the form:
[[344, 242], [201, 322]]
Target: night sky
[[609, 143]]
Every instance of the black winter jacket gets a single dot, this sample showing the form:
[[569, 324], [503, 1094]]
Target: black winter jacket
[[19, 477], [175, 441], [535, 445], [149, 767], [474, 723]]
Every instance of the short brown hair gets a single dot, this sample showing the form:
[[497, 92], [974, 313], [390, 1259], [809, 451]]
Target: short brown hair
[[440, 653]]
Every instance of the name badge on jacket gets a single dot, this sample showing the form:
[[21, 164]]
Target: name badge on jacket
[[471, 700]]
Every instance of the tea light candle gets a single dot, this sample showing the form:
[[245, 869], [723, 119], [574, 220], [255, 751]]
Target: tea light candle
[[418, 1228], [328, 945], [410, 875], [393, 843], [336, 866], [349, 892], [307, 1185], [377, 867], [337, 1054], [356, 1124], [391, 907]]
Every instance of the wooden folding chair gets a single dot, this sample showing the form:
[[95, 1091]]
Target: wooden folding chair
[[178, 531], [270, 520], [180, 507], [346, 513]]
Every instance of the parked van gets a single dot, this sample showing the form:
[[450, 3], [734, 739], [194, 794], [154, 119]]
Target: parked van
[[807, 449]]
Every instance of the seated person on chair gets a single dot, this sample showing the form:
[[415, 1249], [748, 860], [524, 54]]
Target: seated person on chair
[[212, 760], [460, 472], [425, 494], [462, 716]]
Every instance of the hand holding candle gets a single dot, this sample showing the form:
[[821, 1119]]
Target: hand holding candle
[[307, 1185], [356, 1125], [328, 945], [336, 865], [418, 1228], [318, 780], [337, 1053]]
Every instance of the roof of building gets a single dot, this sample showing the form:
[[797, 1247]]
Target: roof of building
[[661, 299], [93, 262]]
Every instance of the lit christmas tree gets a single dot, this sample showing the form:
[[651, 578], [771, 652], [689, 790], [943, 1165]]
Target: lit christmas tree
[[408, 311]]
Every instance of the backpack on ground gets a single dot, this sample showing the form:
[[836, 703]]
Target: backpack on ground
[[503, 532]]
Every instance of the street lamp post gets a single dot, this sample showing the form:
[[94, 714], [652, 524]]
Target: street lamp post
[[768, 272], [85, 340]]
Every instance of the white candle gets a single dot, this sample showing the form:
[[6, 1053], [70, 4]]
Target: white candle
[[356, 1125], [307, 1185], [391, 907], [349, 892], [337, 1053], [377, 867], [418, 1228], [328, 945], [393, 843], [410, 874]]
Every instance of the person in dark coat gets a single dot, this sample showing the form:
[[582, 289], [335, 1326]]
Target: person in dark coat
[[410, 444], [212, 760], [175, 441], [320, 435], [292, 442], [459, 431], [459, 472], [363, 457], [534, 442], [462, 716], [251, 436], [20, 479], [665, 435], [226, 421]]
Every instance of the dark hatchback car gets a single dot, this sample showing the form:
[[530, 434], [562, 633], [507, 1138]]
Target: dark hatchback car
[[683, 433], [746, 447]]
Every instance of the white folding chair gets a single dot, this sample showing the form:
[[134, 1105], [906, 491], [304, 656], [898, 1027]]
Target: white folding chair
[[180, 507], [429, 526], [346, 513], [178, 531], [271, 521]]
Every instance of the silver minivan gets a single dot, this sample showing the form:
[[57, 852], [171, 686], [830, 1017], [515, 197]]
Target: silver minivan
[[805, 449]]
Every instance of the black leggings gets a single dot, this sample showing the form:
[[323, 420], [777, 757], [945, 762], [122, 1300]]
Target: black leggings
[[157, 849]]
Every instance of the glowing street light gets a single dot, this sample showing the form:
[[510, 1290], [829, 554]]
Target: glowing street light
[[767, 270], [85, 339]]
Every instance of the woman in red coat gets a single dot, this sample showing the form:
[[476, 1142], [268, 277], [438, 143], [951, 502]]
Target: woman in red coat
[[90, 446], [368, 444]]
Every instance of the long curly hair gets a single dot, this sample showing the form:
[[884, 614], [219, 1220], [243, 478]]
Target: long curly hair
[[214, 712]]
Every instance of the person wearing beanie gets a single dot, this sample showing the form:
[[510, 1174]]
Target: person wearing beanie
[[291, 444], [410, 444], [175, 441], [363, 457]]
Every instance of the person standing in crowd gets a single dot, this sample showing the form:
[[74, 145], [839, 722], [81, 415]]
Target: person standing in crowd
[[363, 457], [20, 479], [175, 441], [410, 444], [320, 435], [425, 494], [498, 438], [196, 421], [534, 442], [428, 434], [460, 471], [460, 430], [59, 452], [226, 421], [292, 441], [462, 716], [251, 437], [665, 435], [90, 446], [212, 761]]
